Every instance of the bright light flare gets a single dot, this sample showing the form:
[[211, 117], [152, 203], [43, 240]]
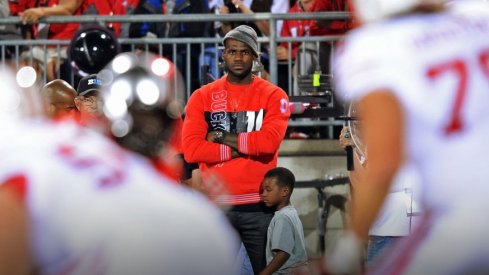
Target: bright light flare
[[160, 66], [26, 77], [121, 64], [148, 92]]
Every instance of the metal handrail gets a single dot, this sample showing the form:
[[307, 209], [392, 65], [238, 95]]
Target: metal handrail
[[170, 40], [272, 39], [184, 17]]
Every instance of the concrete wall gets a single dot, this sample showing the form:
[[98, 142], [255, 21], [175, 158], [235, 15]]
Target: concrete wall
[[311, 160]]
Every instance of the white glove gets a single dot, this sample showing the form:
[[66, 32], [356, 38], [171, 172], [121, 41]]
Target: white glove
[[346, 257]]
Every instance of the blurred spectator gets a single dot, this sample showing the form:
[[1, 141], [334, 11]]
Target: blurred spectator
[[73, 201], [58, 98], [191, 29], [261, 26], [33, 58], [123, 7], [309, 61], [35, 10], [182, 56], [13, 6], [301, 28], [279, 7], [249, 7], [158, 29], [88, 93], [8, 31]]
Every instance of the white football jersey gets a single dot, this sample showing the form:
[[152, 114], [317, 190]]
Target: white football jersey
[[438, 68], [96, 209]]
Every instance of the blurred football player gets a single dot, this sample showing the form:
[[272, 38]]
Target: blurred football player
[[421, 89], [74, 202]]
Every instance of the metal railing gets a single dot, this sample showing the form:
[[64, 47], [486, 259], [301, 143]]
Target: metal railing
[[180, 47]]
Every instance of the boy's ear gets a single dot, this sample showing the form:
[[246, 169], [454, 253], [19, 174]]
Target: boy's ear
[[285, 191]]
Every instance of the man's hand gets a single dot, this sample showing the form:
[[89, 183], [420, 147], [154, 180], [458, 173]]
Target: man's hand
[[211, 136], [31, 16], [224, 10], [229, 139], [345, 137], [282, 53]]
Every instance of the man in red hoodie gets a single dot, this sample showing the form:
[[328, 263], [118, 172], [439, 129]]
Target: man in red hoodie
[[233, 128]]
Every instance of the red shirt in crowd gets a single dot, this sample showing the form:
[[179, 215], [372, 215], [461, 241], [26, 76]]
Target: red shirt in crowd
[[61, 31], [302, 28]]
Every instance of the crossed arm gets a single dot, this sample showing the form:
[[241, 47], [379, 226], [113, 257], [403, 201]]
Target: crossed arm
[[230, 140]]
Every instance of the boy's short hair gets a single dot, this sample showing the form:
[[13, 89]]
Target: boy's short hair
[[285, 177]]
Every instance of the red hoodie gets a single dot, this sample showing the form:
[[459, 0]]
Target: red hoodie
[[257, 112]]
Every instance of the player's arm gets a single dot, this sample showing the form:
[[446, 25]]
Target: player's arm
[[383, 122], [357, 174], [278, 260], [14, 245]]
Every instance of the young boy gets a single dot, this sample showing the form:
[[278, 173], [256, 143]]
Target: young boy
[[285, 250]]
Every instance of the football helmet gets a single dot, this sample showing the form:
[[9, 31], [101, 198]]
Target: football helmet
[[375, 10], [91, 48], [138, 97]]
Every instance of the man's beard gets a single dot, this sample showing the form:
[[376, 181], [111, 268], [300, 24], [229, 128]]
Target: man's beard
[[241, 75]]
